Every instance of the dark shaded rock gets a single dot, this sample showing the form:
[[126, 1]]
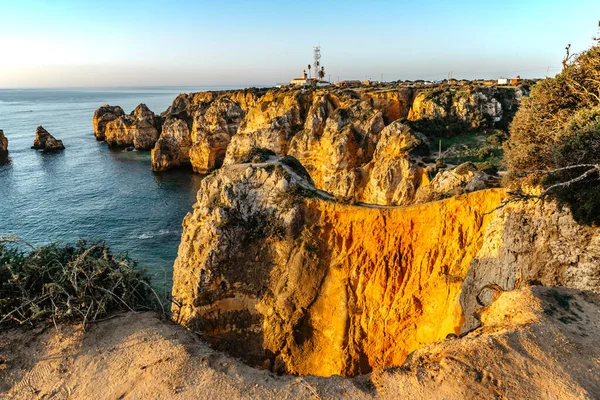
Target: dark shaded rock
[[45, 141], [3, 147]]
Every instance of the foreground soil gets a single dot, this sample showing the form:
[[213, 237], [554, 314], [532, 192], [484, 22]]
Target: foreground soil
[[535, 342]]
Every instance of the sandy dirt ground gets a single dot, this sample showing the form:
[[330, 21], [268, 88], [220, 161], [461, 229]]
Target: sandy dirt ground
[[535, 343]]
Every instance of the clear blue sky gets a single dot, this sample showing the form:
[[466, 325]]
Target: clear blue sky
[[155, 43]]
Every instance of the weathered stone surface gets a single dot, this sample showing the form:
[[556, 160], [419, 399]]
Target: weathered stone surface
[[451, 182], [296, 282], [334, 157], [103, 116], [140, 129], [277, 116], [210, 119], [309, 285], [532, 243], [212, 131], [523, 351], [476, 108], [3, 147], [394, 175], [172, 149], [45, 141]]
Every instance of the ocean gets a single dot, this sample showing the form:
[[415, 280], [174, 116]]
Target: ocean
[[88, 190]]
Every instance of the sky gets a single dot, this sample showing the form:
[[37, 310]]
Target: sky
[[81, 43]]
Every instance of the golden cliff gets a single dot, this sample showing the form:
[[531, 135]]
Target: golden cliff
[[289, 279], [139, 129], [360, 144]]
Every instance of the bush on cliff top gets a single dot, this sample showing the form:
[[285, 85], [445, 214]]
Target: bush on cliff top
[[558, 126], [83, 282]]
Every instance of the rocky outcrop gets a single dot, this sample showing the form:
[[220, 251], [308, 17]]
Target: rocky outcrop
[[212, 131], [198, 128], [335, 133], [140, 129], [271, 124], [531, 243], [296, 282], [3, 147], [103, 116], [535, 343], [454, 181], [455, 109], [45, 141], [292, 280]]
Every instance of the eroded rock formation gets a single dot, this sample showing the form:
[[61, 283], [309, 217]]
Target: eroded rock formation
[[198, 128], [3, 147], [45, 141], [140, 129], [357, 144], [308, 285], [464, 108], [294, 281], [534, 343], [103, 116]]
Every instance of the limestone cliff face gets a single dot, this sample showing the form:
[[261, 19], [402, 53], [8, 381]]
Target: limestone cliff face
[[172, 148], [477, 108], [140, 129], [335, 133], [277, 116], [451, 182], [292, 280], [298, 283], [213, 130], [532, 243], [45, 141], [198, 128], [3, 147], [103, 116]]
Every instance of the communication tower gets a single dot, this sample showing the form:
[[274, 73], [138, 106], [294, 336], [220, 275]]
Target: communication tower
[[317, 59]]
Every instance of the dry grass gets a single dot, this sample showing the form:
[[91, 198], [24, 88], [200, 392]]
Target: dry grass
[[83, 282]]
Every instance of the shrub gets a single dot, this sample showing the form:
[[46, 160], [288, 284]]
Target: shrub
[[83, 282], [559, 126], [258, 155]]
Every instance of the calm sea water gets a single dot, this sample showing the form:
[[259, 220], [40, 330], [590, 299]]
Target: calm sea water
[[88, 190]]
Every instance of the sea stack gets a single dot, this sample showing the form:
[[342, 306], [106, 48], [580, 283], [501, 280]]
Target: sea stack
[[3, 147], [45, 141], [103, 116]]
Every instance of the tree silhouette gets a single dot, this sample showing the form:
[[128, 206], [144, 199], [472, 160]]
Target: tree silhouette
[[322, 73]]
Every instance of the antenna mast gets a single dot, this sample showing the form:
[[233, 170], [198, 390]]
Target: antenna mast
[[317, 60]]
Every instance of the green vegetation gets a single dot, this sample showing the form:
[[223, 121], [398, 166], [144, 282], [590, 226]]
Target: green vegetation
[[83, 282], [469, 147], [558, 127], [258, 155]]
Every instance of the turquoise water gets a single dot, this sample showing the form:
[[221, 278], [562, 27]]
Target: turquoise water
[[88, 190]]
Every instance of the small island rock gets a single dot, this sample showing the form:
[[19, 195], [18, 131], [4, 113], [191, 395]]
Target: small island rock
[[45, 141], [3, 147]]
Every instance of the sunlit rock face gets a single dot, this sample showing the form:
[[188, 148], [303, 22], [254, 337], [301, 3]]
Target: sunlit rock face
[[296, 282], [465, 108], [451, 182], [103, 116], [277, 116], [212, 130], [45, 141], [335, 133], [3, 147], [287, 278], [140, 129], [198, 128], [532, 243]]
